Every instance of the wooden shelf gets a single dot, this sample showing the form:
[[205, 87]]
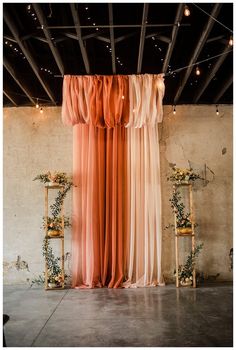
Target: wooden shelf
[[61, 237], [178, 235]]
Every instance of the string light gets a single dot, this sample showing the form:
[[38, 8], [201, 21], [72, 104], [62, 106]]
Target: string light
[[174, 110], [186, 11], [198, 71], [123, 97], [231, 42], [217, 110]]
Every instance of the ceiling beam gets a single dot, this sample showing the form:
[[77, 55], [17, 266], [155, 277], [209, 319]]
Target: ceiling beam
[[198, 49], [7, 37], [164, 25], [171, 45], [163, 38], [113, 53], [12, 72], [215, 38], [10, 98], [142, 37], [210, 76], [123, 37], [24, 48], [224, 88], [48, 36], [79, 37]]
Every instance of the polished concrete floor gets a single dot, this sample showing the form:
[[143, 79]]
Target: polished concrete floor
[[148, 317]]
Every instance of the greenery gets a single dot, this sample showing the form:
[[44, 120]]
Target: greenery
[[182, 175], [54, 269], [185, 272], [182, 218], [56, 207]]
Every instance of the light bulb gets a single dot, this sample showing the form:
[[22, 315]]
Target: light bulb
[[186, 11], [231, 42], [41, 110], [174, 110], [198, 71], [37, 105], [123, 97], [217, 110]]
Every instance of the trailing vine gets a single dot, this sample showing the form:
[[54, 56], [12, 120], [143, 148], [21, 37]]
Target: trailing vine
[[186, 271]]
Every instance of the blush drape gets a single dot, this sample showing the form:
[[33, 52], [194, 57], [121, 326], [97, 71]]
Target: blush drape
[[99, 208]]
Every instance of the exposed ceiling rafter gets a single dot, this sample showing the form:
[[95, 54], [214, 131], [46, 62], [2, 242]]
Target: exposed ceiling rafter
[[142, 37], [197, 50], [48, 36], [10, 98], [24, 48], [211, 75], [224, 88], [174, 34], [12, 72], [160, 37], [113, 53], [79, 37]]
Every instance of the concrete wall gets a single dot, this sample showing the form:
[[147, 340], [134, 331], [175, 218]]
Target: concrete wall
[[35, 143]]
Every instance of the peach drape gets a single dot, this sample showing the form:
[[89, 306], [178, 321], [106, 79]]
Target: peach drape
[[99, 208]]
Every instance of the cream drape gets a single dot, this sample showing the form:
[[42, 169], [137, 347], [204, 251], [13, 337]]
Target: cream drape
[[143, 170]]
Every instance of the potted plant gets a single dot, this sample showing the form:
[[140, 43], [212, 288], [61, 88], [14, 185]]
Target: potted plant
[[54, 225]]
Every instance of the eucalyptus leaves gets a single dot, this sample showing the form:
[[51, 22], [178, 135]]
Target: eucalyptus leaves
[[185, 272], [182, 218]]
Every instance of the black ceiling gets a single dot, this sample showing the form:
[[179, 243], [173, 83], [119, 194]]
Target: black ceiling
[[42, 42]]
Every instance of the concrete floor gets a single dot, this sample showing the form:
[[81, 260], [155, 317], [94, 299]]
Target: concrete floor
[[162, 316]]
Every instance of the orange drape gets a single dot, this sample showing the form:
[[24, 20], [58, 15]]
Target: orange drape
[[100, 100], [100, 209]]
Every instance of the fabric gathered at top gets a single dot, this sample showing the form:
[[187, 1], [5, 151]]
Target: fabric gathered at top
[[108, 101]]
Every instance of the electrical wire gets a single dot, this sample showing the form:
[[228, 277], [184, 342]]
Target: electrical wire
[[196, 63], [208, 14]]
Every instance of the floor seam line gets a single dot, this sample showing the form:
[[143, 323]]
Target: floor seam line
[[49, 318]]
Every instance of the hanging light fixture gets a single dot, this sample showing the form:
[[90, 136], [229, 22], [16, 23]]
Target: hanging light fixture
[[186, 11], [231, 42], [41, 110], [217, 110], [198, 71], [174, 110], [37, 104]]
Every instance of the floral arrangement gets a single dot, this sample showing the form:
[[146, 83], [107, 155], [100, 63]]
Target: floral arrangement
[[185, 272], [56, 177], [180, 175], [182, 218], [55, 223]]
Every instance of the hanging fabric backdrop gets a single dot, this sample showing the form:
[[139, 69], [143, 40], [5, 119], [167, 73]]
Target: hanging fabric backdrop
[[116, 169]]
